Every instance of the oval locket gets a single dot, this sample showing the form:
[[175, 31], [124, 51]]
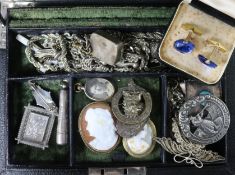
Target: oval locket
[[97, 89]]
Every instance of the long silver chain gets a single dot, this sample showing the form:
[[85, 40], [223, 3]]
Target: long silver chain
[[73, 53]]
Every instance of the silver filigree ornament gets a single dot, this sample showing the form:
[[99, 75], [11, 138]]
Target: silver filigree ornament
[[185, 150], [37, 122], [73, 53], [175, 94]]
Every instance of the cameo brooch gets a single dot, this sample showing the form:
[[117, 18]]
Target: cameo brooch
[[97, 127]]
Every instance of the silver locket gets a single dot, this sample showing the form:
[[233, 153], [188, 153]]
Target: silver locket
[[97, 89]]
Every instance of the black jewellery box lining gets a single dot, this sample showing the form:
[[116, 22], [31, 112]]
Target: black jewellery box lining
[[70, 162]]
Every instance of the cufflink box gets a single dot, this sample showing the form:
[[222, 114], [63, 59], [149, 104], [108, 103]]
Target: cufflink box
[[208, 32], [75, 158]]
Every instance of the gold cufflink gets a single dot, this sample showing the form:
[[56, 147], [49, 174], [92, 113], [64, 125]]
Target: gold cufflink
[[186, 45], [217, 47], [192, 29]]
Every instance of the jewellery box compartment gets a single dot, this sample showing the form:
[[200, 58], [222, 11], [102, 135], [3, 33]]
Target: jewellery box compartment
[[75, 154]]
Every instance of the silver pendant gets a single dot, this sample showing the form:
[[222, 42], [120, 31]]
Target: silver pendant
[[36, 127], [97, 89], [136, 104], [204, 119], [43, 97]]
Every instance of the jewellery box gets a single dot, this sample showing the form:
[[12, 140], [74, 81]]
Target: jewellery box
[[43, 18]]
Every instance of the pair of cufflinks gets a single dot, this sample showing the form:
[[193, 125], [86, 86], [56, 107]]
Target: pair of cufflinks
[[186, 45]]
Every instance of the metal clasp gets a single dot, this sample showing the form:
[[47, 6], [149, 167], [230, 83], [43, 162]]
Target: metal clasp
[[118, 171]]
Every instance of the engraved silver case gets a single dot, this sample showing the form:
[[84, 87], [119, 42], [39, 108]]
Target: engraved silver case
[[36, 127]]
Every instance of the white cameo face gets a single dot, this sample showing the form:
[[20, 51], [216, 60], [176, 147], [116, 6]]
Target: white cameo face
[[100, 125], [140, 143]]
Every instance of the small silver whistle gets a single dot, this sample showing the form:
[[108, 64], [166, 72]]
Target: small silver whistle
[[62, 126]]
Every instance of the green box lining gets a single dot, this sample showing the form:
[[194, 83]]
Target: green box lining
[[99, 22], [92, 12], [90, 16]]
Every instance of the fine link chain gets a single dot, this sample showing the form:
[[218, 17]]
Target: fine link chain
[[73, 53]]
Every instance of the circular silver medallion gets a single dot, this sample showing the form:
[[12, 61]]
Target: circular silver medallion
[[204, 119], [98, 89]]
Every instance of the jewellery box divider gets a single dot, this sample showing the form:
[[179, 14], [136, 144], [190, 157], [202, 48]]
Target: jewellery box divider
[[164, 76]]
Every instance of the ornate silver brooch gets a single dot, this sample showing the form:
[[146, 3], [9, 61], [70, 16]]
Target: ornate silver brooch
[[204, 119], [131, 106], [136, 104]]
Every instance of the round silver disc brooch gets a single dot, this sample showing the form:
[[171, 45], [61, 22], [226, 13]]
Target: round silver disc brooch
[[204, 119]]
